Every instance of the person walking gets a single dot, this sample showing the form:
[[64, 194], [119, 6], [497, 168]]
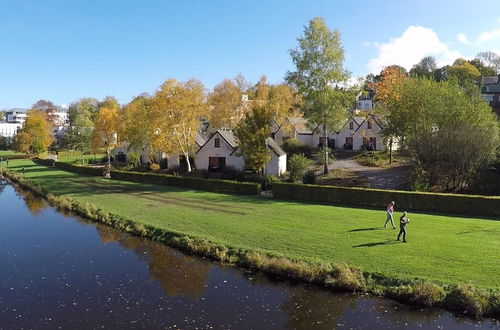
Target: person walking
[[403, 221], [7, 161], [390, 211], [22, 169]]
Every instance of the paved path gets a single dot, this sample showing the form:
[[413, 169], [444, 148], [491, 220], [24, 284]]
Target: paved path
[[380, 178]]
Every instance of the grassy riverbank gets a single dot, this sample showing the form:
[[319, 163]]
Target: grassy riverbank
[[444, 249]]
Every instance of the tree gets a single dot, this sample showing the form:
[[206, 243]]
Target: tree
[[251, 134], [48, 108], [387, 88], [135, 124], [178, 108], [35, 136], [319, 60], [425, 68], [81, 116], [225, 101], [489, 59], [448, 131], [283, 102], [298, 164], [104, 134], [464, 72], [482, 68]]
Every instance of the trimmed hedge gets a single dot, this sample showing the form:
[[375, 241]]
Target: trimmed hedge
[[488, 206], [224, 186]]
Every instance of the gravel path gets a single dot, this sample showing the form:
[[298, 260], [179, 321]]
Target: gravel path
[[380, 178]]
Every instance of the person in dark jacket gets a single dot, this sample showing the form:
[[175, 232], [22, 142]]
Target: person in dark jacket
[[403, 221]]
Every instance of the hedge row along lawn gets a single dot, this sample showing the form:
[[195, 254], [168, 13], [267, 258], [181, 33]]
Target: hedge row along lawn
[[442, 249]]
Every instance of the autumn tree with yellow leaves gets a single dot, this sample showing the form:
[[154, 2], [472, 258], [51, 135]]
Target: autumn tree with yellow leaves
[[226, 104], [178, 108], [35, 136], [104, 134]]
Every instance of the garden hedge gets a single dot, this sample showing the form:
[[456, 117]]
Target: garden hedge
[[488, 206], [224, 186]]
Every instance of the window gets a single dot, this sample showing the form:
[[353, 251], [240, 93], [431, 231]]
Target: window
[[217, 142], [351, 126], [369, 123]]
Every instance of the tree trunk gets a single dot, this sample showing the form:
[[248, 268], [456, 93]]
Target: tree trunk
[[325, 150], [390, 150], [108, 165], [188, 163]]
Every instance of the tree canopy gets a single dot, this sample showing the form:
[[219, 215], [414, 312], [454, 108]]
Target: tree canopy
[[319, 75]]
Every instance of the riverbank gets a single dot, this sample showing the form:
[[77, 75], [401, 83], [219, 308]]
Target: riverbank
[[297, 240]]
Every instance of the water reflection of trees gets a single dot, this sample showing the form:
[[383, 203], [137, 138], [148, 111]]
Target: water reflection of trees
[[177, 274], [34, 203]]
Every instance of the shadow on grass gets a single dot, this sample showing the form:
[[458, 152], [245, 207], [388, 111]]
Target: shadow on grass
[[364, 229], [376, 244]]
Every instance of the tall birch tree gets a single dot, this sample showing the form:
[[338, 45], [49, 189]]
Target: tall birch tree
[[319, 75]]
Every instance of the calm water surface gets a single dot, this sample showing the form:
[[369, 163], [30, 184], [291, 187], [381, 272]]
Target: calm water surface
[[60, 272]]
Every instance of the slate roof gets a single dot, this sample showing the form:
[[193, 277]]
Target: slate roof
[[489, 80], [274, 146]]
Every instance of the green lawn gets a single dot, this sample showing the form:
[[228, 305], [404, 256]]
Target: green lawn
[[447, 249]]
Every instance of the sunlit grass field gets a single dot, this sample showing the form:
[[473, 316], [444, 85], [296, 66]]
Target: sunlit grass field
[[448, 249]]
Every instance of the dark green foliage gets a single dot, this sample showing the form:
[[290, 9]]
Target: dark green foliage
[[309, 177], [294, 147], [421, 201]]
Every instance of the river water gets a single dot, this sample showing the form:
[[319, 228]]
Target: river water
[[61, 272]]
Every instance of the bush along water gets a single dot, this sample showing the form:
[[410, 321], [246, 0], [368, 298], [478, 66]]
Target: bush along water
[[462, 299]]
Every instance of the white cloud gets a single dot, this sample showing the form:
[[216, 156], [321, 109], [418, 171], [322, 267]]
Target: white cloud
[[488, 36], [414, 44], [463, 38]]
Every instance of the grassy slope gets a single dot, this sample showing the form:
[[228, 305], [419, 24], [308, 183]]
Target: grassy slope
[[441, 248]]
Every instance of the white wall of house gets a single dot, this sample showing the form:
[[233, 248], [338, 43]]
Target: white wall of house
[[9, 130], [365, 132], [306, 139], [276, 166], [364, 104], [224, 150]]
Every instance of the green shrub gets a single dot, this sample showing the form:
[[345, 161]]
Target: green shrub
[[298, 163], [419, 201], [295, 147], [309, 177]]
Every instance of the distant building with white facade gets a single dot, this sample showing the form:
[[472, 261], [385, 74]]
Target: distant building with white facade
[[9, 130], [16, 115]]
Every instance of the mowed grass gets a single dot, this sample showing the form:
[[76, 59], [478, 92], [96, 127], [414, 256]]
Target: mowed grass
[[448, 249]]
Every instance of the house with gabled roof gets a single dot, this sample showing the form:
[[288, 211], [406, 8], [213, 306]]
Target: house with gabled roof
[[293, 127], [220, 151], [490, 88]]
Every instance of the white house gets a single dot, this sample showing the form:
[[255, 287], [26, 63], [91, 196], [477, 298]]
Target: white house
[[357, 133], [16, 115], [9, 130], [220, 152]]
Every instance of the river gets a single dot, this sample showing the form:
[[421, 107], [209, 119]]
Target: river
[[58, 271]]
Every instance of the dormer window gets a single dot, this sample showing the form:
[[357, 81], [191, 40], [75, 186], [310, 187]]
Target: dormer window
[[369, 124], [217, 142], [351, 125]]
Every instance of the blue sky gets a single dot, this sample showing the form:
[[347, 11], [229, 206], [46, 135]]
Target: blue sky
[[64, 50]]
